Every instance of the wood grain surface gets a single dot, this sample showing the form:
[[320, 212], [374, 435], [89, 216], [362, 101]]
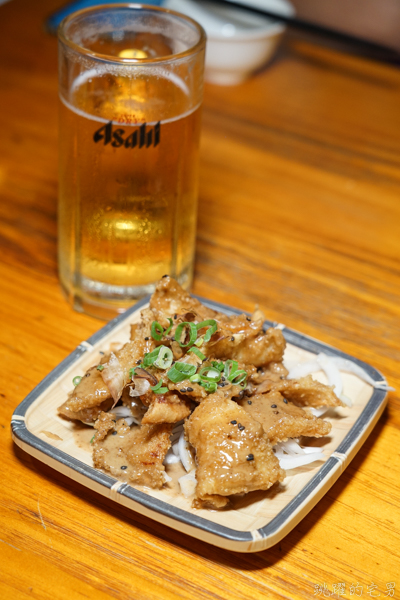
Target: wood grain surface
[[299, 213]]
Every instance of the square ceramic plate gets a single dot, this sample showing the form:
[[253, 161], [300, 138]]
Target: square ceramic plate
[[256, 521]]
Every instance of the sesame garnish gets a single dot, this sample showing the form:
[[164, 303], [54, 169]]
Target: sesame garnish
[[276, 412], [124, 467], [232, 338], [183, 390], [249, 402], [285, 401], [138, 362], [250, 457], [164, 276], [233, 422], [241, 427], [273, 406], [114, 433], [175, 316], [146, 339], [189, 389], [248, 318]]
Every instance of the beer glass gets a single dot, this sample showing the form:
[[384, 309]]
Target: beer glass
[[131, 84]]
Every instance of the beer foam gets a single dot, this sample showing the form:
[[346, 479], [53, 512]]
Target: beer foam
[[157, 72], [98, 119], [127, 72]]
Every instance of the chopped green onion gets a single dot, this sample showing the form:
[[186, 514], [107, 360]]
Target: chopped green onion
[[199, 342], [175, 376], [157, 389], [209, 374], [237, 377], [197, 352], [164, 359], [195, 378], [132, 372], [166, 332], [157, 331], [209, 386], [100, 367], [92, 440], [76, 380], [212, 324], [231, 366], [218, 365], [185, 368], [192, 330], [150, 357]]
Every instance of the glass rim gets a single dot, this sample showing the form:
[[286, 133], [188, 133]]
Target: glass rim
[[62, 36]]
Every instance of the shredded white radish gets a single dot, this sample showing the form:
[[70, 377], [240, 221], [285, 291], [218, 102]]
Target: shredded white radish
[[290, 462], [175, 448], [184, 453], [332, 373], [188, 483], [171, 458], [291, 455], [344, 364], [141, 387], [124, 412], [318, 412], [302, 369]]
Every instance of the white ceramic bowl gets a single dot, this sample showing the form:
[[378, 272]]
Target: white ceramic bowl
[[238, 42]]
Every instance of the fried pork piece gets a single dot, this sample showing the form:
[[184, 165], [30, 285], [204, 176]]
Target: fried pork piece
[[250, 348], [170, 299], [96, 386], [137, 453], [238, 337], [167, 408], [274, 371], [91, 391], [305, 391], [281, 419], [233, 453], [86, 415]]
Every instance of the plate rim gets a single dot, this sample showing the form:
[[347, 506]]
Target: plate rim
[[222, 536]]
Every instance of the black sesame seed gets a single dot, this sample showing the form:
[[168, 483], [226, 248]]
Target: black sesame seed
[[138, 362], [101, 352], [276, 412], [232, 338], [220, 384], [175, 316], [146, 338], [164, 276], [273, 406], [223, 379], [241, 427], [189, 389], [124, 467], [248, 318], [249, 402], [233, 422], [250, 457], [285, 401], [183, 390], [114, 433], [87, 375]]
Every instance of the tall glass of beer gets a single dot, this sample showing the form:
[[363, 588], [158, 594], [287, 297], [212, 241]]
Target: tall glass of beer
[[131, 85]]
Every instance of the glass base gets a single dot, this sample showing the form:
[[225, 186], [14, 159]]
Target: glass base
[[106, 301]]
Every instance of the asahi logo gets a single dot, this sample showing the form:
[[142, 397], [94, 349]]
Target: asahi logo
[[142, 137]]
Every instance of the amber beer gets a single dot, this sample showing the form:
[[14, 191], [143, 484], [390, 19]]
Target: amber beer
[[129, 142]]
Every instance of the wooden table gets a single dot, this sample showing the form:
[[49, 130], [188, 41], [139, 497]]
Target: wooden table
[[299, 213]]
